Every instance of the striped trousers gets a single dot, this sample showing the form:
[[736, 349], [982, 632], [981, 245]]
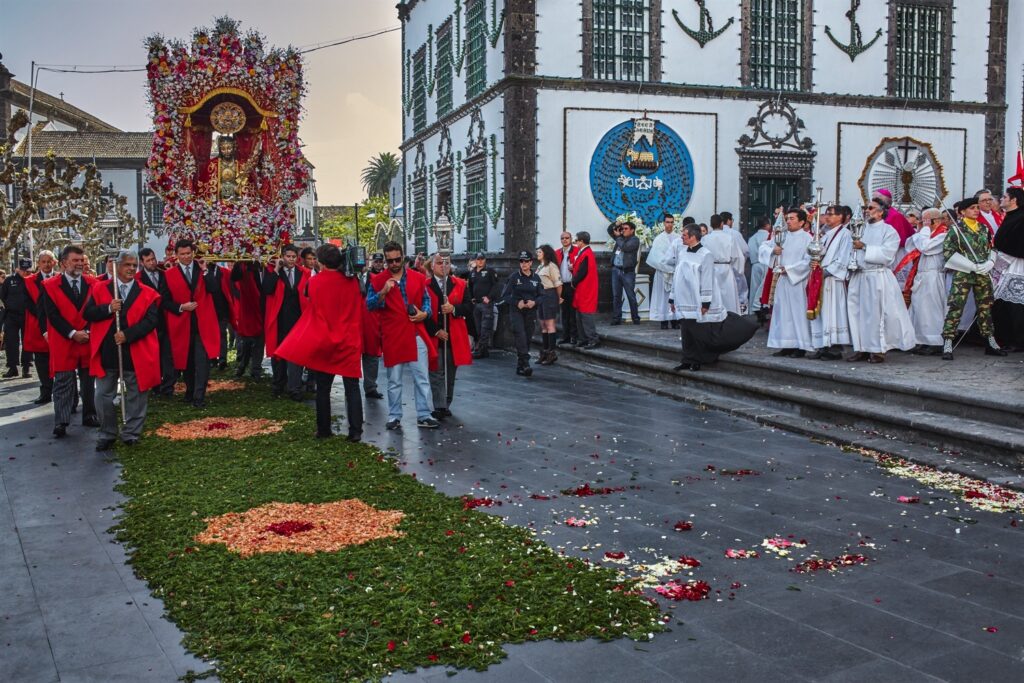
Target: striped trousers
[[64, 395]]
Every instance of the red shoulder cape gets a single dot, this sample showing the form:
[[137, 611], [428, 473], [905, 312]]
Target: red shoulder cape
[[145, 351], [66, 355], [329, 335], [458, 333], [584, 296], [179, 327], [34, 341], [274, 302], [398, 334]]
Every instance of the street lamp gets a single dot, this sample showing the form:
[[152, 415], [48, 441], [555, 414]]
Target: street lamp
[[443, 234]]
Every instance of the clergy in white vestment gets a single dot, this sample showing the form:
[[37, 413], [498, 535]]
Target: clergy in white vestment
[[928, 290], [741, 275], [662, 258], [879, 320], [708, 330], [729, 261], [758, 268], [790, 330], [830, 329]]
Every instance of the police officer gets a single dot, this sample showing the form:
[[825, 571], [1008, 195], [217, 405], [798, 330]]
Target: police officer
[[16, 301], [522, 290], [484, 290]]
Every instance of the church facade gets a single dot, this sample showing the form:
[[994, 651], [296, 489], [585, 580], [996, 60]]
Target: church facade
[[524, 118]]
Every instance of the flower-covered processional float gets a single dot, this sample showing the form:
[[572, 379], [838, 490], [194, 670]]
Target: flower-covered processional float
[[226, 156]]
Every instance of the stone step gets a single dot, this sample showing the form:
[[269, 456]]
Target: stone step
[[799, 401]]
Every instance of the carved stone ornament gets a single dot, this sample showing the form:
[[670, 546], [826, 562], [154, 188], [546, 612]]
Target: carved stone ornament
[[776, 126], [420, 163], [477, 139], [444, 148], [908, 168]]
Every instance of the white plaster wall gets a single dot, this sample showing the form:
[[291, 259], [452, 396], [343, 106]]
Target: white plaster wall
[[834, 170], [685, 61], [970, 50], [1014, 86], [559, 39], [833, 70]]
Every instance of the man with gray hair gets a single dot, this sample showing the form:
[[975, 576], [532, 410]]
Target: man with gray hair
[[123, 348]]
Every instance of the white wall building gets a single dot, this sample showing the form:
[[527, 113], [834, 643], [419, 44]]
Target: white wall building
[[521, 116]]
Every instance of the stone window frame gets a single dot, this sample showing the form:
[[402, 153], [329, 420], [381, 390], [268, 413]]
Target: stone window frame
[[419, 90], [806, 59], [476, 48], [946, 49], [419, 223], [444, 70], [654, 49], [476, 172]]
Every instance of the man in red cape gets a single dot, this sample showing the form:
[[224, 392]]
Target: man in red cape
[[247, 308], [151, 275], [447, 325], [989, 214], [284, 287], [67, 334], [584, 285], [400, 294], [138, 310], [35, 324], [328, 340], [191, 320], [371, 333]]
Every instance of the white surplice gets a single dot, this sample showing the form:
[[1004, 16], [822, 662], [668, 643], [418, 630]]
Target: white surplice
[[879, 320], [742, 290], [928, 295], [728, 262], [832, 326], [758, 268], [790, 328], [693, 285], [666, 248]]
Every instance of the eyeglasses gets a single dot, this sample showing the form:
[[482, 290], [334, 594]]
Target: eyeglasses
[[394, 260]]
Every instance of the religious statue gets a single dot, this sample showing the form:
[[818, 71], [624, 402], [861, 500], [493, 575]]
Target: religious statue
[[226, 177]]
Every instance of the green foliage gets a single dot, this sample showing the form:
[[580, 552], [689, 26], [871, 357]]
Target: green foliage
[[343, 225], [379, 173], [331, 616]]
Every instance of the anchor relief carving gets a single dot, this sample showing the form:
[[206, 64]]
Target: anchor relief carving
[[856, 44], [706, 33]]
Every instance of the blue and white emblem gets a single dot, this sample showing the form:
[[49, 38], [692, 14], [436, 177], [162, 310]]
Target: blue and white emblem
[[641, 165]]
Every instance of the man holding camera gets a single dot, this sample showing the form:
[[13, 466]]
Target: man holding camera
[[624, 260], [484, 288], [191, 319], [400, 294], [15, 302], [285, 288]]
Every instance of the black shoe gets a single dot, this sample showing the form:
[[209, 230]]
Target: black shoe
[[664, 324], [42, 400], [239, 372], [784, 353], [90, 421], [674, 324], [199, 403], [428, 423], [355, 437], [222, 366], [566, 342], [681, 367], [276, 393], [592, 345], [188, 398], [637, 321], [615, 322], [481, 353], [831, 355], [876, 358], [445, 412], [26, 373], [989, 351], [130, 442], [11, 372], [74, 409], [858, 356], [104, 445], [60, 431], [527, 371], [295, 396], [817, 355], [799, 353], [947, 356], [438, 415], [324, 435], [374, 394], [393, 425]]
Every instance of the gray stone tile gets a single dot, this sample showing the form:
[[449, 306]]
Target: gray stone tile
[[24, 649], [880, 670], [17, 594], [141, 670], [571, 662], [971, 664]]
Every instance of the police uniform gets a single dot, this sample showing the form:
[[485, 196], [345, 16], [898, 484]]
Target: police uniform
[[483, 283], [528, 288]]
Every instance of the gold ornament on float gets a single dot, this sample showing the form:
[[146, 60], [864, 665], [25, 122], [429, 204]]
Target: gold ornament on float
[[227, 118]]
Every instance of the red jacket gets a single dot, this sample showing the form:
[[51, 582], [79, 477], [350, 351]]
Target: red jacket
[[65, 354], [458, 333], [179, 325], [573, 252], [274, 302], [328, 337], [247, 304], [34, 340], [398, 334], [584, 297], [145, 351]]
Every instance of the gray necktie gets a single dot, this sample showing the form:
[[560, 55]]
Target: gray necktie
[[188, 275], [124, 290], [291, 277], [75, 289]]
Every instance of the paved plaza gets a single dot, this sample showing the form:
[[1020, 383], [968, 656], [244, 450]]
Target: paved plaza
[[937, 599]]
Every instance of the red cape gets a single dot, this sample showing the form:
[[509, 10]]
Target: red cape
[[274, 302], [246, 312], [329, 335], [179, 327], [573, 251], [398, 340], [33, 340], [458, 334], [145, 351], [67, 355], [900, 223], [372, 345], [584, 296]]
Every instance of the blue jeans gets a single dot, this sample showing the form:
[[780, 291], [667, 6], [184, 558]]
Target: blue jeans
[[421, 382], [624, 280]]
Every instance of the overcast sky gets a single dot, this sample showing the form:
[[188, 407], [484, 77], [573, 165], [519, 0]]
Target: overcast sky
[[354, 91]]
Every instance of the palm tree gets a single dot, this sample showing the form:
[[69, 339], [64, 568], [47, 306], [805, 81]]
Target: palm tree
[[379, 173]]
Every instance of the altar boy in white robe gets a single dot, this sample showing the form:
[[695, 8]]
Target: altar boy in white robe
[[790, 330], [662, 258], [928, 289], [758, 268], [729, 263], [879, 320], [830, 328]]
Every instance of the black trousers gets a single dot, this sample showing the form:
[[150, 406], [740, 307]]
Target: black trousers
[[523, 323], [168, 375], [353, 403], [1009, 322], [568, 313], [694, 336], [197, 372], [14, 330], [43, 370]]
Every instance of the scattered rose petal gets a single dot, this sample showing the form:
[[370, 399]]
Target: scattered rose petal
[[740, 554], [586, 490], [691, 590], [683, 525], [688, 561], [909, 500]]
